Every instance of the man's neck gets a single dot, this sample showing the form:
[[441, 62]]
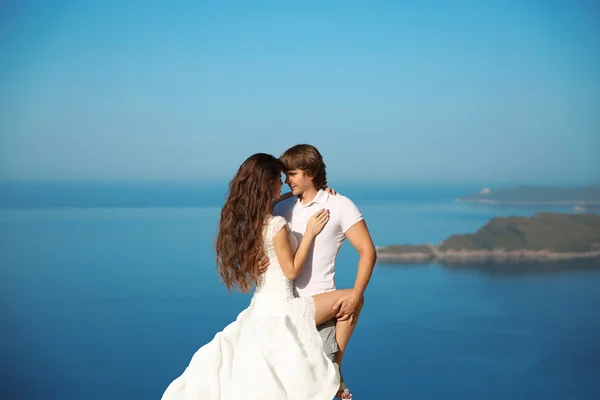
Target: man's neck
[[307, 196]]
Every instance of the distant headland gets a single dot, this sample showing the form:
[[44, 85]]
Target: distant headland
[[542, 237], [537, 195]]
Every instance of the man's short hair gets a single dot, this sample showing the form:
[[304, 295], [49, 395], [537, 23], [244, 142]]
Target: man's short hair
[[307, 158]]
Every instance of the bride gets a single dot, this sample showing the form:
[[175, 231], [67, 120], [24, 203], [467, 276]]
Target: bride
[[272, 350]]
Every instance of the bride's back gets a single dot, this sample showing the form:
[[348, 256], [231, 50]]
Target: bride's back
[[273, 284]]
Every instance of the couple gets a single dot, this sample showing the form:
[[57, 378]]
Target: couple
[[289, 343]]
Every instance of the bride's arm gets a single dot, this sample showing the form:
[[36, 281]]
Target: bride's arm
[[292, 264], [287, 195], [281, 198]]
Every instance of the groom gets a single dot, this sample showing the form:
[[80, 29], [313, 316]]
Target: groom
[[305, 171]]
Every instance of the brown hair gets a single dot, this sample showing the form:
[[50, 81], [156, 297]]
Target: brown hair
[[239, 242], [307, 158]]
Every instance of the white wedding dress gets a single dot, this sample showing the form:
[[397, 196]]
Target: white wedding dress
[[271, 352]]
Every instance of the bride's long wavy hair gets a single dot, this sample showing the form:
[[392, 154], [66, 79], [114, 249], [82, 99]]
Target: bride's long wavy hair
[[239, 242]]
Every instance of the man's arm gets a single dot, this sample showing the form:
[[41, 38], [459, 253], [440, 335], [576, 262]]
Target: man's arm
[[358, 235], [360, 238]]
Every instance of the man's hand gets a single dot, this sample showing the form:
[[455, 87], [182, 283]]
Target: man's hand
[[263, 264], [348, 306]]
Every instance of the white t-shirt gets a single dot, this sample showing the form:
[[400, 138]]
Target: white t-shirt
[[318, 274]]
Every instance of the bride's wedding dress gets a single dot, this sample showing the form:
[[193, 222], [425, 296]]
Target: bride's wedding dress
[[271, 351]]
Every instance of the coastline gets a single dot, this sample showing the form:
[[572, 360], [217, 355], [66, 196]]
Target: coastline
[[469, 256], [530, 203]]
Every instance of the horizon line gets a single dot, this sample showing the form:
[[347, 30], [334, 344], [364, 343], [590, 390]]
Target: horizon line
[[146, 181]]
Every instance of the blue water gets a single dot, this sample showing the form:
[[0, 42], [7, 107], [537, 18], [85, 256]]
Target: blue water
[[110, 302]]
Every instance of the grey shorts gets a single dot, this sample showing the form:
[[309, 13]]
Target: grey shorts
[[327, 332]]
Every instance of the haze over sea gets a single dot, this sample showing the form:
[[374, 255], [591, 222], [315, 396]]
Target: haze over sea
[[110, 289]]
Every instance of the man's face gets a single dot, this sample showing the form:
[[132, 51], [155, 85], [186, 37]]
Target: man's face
[[298, 181]]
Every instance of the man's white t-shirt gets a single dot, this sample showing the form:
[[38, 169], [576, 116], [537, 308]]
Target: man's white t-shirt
[[318, 274]]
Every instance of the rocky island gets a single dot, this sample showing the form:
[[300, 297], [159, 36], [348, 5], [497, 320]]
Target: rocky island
[[542, 237]]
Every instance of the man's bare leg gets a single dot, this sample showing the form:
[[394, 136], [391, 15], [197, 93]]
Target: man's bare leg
[[343, 332], [324, 311]]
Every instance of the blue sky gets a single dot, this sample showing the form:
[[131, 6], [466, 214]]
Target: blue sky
[[461, 91]]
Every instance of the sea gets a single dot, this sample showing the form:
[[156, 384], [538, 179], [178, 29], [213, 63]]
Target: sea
[[108, 289]]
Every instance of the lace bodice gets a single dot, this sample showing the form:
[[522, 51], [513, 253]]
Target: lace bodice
[[273, 284]]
